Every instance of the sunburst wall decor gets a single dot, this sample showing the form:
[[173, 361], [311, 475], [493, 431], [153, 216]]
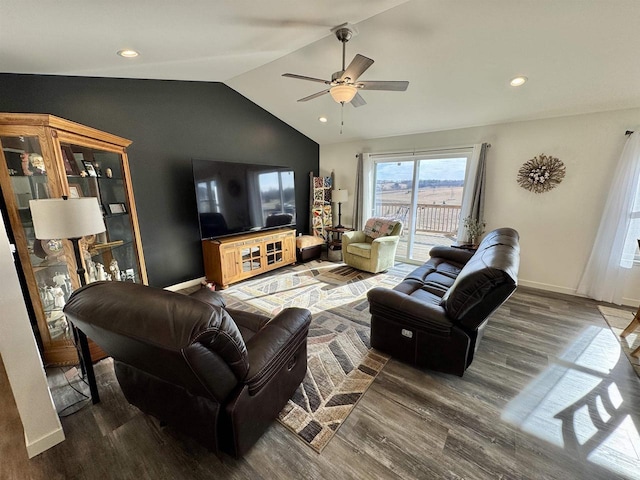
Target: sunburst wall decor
[[541, 173]]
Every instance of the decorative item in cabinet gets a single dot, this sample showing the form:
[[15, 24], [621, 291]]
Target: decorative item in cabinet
[[42, 156]]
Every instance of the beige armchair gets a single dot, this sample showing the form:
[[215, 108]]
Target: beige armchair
[[374, 248]]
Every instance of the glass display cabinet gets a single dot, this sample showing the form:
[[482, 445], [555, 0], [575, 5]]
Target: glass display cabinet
[[43, 156]]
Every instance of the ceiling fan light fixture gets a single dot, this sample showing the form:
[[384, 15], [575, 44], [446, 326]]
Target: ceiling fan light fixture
[[343, 93]]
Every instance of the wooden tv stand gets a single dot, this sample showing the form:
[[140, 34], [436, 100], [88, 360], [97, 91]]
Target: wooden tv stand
[[231, 259]]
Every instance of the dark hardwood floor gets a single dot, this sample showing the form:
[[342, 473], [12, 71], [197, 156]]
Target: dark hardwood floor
[[550, 395]]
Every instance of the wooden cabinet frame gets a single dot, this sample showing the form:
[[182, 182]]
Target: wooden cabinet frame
[[231, 259], [50, 132]]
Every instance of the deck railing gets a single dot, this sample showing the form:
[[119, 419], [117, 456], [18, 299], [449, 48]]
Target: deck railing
[[429, 218]]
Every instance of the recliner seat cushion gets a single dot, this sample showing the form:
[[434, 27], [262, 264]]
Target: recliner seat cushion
[[435, 276], [424, 295]]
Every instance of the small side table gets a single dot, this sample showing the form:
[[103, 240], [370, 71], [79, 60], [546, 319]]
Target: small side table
[[334, 246]]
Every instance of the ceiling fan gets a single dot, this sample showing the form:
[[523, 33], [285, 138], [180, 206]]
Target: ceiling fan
[[344, 84]]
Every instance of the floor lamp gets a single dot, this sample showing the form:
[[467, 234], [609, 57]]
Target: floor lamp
[[339, 196], [72, 219]]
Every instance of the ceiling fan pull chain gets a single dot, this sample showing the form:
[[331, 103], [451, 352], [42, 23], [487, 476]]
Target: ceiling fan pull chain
[[341, 116]]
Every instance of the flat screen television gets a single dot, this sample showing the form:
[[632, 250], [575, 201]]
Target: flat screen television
[[237, 198]]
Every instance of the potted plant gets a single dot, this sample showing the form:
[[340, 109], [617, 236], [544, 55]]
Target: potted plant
[[474, 228]]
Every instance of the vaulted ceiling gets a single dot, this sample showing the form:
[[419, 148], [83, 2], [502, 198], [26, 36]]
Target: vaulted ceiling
[[579, 56]]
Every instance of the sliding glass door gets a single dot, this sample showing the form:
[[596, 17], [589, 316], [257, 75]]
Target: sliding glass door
[[425, 192]]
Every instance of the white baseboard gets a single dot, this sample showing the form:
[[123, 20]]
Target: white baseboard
[[44, 443], [548, 287], [187, 284], [630, 302]]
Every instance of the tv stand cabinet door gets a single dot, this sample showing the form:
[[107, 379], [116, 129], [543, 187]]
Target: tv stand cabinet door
[[290, 248], [221, 262], [231, 258]]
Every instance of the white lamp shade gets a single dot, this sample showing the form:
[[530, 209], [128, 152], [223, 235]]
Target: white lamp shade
[[57, 218], [339, 196], [343, 93]]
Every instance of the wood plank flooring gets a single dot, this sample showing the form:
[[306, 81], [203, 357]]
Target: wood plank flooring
[[548, 397]]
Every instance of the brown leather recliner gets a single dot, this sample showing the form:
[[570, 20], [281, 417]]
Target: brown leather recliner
[[436, 316], [220, 376]]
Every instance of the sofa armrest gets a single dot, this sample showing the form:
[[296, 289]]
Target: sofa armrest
[[456, 255], [207, 296], [392, 304], [272, 348]]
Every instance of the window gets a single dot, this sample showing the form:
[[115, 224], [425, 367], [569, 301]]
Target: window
[[424, 192]]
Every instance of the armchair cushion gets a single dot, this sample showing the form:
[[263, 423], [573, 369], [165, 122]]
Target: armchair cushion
[[360, 249]]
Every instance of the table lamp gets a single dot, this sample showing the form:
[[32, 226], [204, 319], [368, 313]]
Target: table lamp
[[339, 196], [72, 219]]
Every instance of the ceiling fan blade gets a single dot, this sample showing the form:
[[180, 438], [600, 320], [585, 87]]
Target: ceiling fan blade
[[356, 68], [315, 95], [380, 85], [302, 77], [358, 101]]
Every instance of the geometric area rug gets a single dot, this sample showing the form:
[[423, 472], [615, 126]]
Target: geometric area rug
[[340, 362], [618, 320]]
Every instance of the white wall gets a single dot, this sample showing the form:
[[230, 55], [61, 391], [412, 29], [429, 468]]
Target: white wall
[[556, 228], [19, 352]]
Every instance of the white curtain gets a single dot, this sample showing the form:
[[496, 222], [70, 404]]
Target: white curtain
[[612, 255], [363, 196], [474, 188]]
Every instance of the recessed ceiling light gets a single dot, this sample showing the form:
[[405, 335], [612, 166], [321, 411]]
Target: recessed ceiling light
[[518, 81], [322, 119], [127, 53]]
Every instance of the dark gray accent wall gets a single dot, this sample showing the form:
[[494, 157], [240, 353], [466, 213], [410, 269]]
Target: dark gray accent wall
[[170, 122]]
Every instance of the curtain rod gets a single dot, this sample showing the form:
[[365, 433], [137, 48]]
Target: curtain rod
[[418, 152]]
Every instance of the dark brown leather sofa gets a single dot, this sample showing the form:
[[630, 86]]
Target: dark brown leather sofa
[[436, 316], [220, 376]]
